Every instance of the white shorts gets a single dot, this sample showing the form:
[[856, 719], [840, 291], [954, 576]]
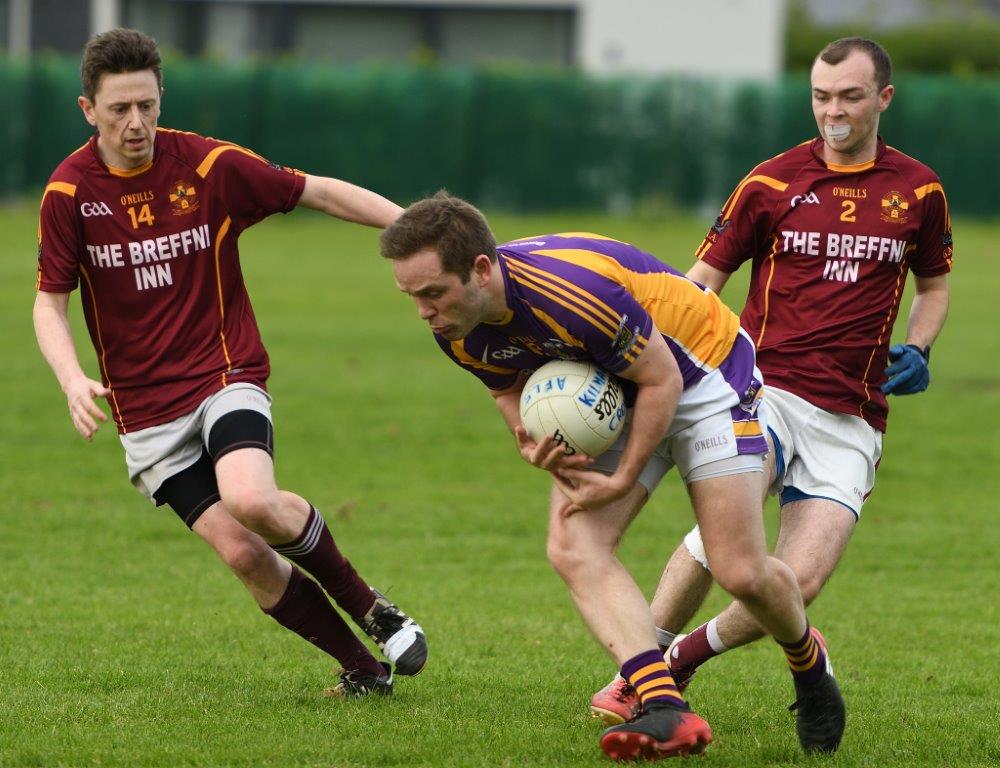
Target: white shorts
[[820, 454], [157, 453], [703, 440]]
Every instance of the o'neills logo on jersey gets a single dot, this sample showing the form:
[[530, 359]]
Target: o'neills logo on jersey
[[854, 192], [183, 198], [137, 197], [894, 208]]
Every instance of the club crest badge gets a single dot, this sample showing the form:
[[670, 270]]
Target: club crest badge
[[183, 198], [625, 338], [895, 209]]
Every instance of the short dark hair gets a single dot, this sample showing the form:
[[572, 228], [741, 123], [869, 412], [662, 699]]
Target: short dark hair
[[457, 230], [838, 50], [117, 51]]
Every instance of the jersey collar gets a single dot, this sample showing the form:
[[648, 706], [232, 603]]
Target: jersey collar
[[121, 172], [816, 147]]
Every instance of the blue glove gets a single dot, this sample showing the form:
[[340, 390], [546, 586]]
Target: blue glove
[[908, 372]]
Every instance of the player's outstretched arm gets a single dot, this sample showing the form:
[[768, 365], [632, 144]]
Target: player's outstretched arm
[[928, 310], [909, 372], [707, 275], [55, 339], [348, 202]]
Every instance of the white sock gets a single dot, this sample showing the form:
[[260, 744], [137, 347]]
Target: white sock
[[712, 635]]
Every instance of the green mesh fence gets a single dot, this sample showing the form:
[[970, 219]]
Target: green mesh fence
[[507, 138]]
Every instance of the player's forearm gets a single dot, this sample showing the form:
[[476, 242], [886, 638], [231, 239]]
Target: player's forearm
[[55, 339], [349, 202], [709, 276], [652, 414], [508, 404], [927, 313]]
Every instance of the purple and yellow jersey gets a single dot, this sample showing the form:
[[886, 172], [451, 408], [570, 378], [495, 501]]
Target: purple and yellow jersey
[[581, 296]]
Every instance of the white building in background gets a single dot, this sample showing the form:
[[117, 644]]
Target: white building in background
[[730, 38]]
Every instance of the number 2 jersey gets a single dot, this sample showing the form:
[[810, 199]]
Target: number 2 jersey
[[830, 247], [155, 254]]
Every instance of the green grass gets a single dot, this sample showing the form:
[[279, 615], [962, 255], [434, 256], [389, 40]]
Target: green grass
[[124, 642]]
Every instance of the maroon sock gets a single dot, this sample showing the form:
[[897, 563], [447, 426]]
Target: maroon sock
[[314, 551], [691, 652], [304, 609]]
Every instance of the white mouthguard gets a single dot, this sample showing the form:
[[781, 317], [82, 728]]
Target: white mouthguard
[[837, 132]]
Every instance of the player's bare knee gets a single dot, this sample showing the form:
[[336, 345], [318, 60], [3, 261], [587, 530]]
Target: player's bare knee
[[245, 555], [567, 559], [810, 584], [255, 509], [741, 579]]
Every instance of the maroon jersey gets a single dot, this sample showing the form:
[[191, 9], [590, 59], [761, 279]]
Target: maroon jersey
[[154, 251], [830, 247]]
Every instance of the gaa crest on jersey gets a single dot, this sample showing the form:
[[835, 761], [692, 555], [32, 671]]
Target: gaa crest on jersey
[[811, 199], [183, 198], [895, 209], [624, 338]]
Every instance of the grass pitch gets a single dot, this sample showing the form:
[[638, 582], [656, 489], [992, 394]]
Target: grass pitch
[[123, 642]]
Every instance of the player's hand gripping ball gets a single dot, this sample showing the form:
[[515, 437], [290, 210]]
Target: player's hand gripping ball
[[580, 404]]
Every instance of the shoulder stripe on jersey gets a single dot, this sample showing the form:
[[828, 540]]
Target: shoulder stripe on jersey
[[767, 291], [926, 189], [100, 343], [211, 157], [546, 290], [587, 235], [595, 262], [566, 298], [55, 186], [585, 299], [60, 186], [768, 181], [458, 350], [560, 331], [543, 289], [222, 307], [753, 171], [161, 129]]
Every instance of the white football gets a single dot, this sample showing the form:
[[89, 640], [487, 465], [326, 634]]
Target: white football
[[579, 403]]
